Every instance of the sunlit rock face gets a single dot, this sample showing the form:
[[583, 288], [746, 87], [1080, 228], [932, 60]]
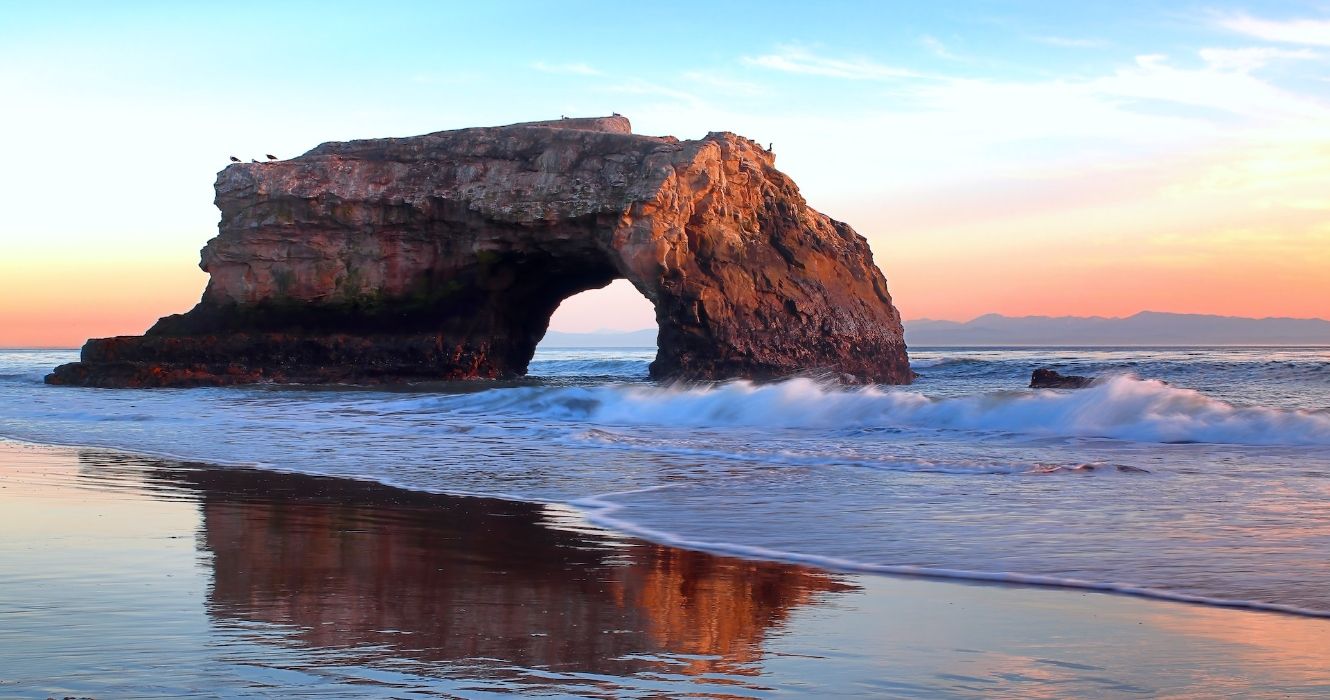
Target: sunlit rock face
[[443, 257]]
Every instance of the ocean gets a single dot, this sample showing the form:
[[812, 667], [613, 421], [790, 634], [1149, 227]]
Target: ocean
[[1193, 474]]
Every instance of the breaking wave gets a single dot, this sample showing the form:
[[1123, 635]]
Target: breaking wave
[[1122, 407]]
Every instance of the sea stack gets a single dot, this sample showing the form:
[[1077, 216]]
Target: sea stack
[[443, 256], [1047, 378]]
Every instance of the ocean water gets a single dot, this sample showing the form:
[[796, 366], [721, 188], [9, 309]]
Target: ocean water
[[1191, 474]]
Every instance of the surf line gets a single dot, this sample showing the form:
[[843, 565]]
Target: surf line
[[600, 511]]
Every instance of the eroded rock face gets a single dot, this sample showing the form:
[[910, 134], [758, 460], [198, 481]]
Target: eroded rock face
[[443, 256]]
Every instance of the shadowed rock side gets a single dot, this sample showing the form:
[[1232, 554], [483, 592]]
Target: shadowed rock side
[[443, 257]]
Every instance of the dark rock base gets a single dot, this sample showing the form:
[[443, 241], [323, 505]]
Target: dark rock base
[[156, 361]]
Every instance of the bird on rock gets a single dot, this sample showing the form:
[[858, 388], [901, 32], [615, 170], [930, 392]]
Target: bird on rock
[[235, 159]]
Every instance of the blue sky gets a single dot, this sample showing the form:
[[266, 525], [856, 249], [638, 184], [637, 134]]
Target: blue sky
[[950, 134]]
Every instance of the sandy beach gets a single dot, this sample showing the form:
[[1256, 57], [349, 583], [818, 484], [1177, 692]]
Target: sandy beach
[[124, 576]]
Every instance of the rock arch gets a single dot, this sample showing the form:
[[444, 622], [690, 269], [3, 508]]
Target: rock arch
[[443, 256]]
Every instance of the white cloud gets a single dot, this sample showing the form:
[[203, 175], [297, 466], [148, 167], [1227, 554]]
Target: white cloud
[[565, 68], [1223, 85], [947, 130], [1311, 32], [646, 88], [800, 61], [1250, 58], [938, 48], [460, 78], [1151, 60], [723, 83], [1071, 42], [950, 128]]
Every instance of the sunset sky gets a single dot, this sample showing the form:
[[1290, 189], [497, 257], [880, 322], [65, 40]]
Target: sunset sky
[[1020, 158]]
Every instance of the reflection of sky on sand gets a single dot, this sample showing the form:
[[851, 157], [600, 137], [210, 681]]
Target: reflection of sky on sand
[[1057, 644], [243, 582], [1298, 648]]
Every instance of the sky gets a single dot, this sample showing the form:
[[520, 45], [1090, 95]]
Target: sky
[[1011, 157]]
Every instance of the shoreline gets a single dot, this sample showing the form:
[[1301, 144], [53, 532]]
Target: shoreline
[[837, 565], [296, 572], [599, 512]]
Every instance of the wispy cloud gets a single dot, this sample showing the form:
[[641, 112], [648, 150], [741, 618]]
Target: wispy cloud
[[1312, 32], [939, 49], [1250, 58], [801, 61], [1225, 84], [445, 78], [565, 68], [1151, 60], [643, 87], [1071, 42], [727, 84], [948, 128]]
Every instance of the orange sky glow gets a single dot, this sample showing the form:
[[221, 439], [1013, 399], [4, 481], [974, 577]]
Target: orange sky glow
[[1181, 164], [1241, 233]]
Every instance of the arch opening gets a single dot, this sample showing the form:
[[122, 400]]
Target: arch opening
[[607, 332]]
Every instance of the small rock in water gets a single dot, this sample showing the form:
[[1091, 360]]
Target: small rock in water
[[1050, 379], [1084, 468]]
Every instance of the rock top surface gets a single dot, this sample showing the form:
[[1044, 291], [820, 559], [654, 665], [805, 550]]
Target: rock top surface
[[443, 256]]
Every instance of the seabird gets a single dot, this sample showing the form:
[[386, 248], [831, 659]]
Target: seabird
[[235, 159], [252, 160], [271, 156]]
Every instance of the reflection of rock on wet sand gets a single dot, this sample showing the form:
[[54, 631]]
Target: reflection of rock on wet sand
[[441, 578], [337, 589]]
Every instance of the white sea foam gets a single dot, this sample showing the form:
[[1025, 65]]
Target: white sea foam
[[811, 460], [1122, 408]]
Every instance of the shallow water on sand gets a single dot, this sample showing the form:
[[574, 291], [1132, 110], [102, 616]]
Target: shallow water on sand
[[123, 576], [1213, 486]]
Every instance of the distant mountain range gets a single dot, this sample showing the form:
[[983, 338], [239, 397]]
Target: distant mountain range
[[645, 338], [1145, 328]]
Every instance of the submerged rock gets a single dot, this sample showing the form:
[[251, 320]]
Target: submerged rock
[[1050, 379], [443, 256], [1086, 468]]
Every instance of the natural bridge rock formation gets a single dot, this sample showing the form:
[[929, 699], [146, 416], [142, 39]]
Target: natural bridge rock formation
[[443, 257]]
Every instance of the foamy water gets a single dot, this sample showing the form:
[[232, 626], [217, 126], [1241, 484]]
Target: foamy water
[[1199, 475]]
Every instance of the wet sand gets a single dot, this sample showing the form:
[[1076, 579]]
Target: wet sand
[[123, 576]]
